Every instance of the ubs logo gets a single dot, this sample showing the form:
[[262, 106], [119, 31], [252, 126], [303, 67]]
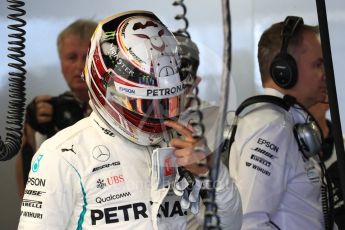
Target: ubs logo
[[101, 153], [112, 180]]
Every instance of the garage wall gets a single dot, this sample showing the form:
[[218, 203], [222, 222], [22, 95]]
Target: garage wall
[[46, 18]]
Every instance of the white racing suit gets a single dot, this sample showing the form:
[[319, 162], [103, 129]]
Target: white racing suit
[[279, 188], [89, 177]]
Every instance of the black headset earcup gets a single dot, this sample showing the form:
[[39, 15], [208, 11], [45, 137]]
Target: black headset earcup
[[308, 138], [284, 70]]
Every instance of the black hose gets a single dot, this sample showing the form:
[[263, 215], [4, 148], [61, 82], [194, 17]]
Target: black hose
[[16, 108]]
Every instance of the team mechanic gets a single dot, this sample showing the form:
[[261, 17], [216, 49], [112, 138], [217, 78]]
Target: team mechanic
[[98, 174], [274, 166]]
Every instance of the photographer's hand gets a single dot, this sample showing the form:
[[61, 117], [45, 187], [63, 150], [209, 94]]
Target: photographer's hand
[[44, 109], [39, 115]]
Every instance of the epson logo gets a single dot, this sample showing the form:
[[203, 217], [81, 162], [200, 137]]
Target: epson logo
[[36, 181], [131, 91], [268, 144]]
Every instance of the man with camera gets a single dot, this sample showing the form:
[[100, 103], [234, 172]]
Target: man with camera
[[46, 115]]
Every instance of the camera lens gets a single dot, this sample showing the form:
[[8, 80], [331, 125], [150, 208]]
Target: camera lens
[[67, 111]]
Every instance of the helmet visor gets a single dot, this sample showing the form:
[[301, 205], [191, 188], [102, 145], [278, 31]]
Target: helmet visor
[[156, 103]]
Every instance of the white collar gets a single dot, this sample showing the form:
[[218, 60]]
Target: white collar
[[273, 92]]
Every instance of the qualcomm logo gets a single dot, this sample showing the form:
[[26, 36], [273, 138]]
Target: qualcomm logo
[[36, 164]]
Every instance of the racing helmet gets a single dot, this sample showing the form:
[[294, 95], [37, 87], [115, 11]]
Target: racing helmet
[[133, 76]]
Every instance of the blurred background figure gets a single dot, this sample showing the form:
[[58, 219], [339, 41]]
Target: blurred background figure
[[45, 114], [328, 155]]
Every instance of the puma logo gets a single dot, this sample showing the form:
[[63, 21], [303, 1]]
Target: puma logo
[[69, 150]]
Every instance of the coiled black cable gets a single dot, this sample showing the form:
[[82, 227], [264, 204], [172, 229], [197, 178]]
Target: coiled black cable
[[16, 108], [182, 30], [327, 198], [189, 68], [189, 55], [208, 190]]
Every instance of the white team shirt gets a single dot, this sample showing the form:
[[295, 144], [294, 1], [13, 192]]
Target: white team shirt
[[280, 189], [89, 177]]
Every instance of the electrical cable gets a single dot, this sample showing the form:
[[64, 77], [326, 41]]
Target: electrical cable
[[182, 30], [184, 39], [327, 198], [208, 190], [188, 59], [16, 108], [211, 218]]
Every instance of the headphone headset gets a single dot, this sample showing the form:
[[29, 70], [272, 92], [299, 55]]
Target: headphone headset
[[308, 135], [283, 68]]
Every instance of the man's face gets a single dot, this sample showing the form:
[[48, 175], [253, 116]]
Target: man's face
[[311, 84], [73, 53]]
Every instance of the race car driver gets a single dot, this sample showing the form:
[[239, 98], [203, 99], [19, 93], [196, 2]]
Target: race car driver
[[99, 173]]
